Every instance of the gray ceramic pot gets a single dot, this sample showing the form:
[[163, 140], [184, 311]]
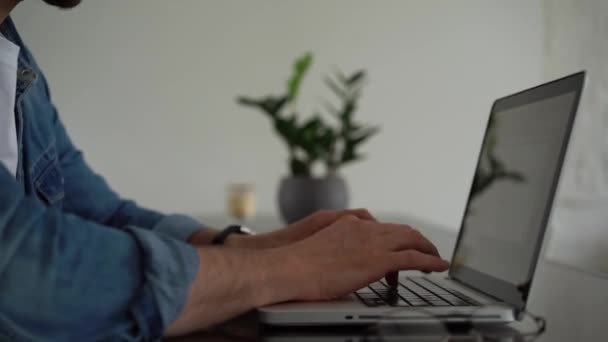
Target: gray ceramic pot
[[302, 196]]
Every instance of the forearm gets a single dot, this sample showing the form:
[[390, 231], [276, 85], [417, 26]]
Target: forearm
[[231, 281]]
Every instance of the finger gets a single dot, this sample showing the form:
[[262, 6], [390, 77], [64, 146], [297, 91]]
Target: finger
[[416, 260], [361, 213], [330, 216], [430, 245], [320, 219], [399, 237], [392, 279], [325, 218]]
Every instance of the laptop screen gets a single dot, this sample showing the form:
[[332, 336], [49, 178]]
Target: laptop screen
[[513, 189]]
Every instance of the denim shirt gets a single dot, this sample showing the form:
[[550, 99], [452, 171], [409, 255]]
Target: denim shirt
[[77, 262]]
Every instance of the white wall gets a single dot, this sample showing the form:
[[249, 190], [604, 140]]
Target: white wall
[[575, 39], [147, 89]]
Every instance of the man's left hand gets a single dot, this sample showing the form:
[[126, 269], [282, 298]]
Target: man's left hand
[[281, 237]]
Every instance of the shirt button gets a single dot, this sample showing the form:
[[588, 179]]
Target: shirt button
[[27, 75]]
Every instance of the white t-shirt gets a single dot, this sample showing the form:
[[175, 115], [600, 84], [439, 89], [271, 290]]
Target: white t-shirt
[[9, 155]]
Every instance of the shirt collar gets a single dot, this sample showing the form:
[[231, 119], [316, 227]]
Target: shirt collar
[[26, 73]]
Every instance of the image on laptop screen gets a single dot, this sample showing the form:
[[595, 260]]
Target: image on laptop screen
[[513, 184]]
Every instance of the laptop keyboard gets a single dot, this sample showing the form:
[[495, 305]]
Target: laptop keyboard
[[413, 291]]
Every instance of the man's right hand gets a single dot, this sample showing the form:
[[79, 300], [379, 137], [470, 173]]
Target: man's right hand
[[348, 255], [340, 259]]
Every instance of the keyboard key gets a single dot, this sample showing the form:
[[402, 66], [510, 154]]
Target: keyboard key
[[384, 291], [380, 302], [428, 295], [408, 294], [416, 292], [378, 286], [459, 302], [452, 293], [410, 285], [366, 295], [410, 297], [373, 302], [391, 298], [365, 290]]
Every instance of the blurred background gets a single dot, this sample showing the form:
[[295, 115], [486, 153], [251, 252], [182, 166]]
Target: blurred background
[[147, 89]]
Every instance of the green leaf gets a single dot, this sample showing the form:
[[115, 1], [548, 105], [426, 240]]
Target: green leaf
[[273, 105], [352, 141], [331, 84], [312, 124], [308, 137], [356, 77], [299, 167], [348, 111], [348, 154], [340, 76], [330, 108], [270, 105], [327, 144], [300, 68], [287, 128], [247, 101], [363, 135]]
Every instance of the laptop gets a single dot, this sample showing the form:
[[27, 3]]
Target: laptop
[[502, 229]]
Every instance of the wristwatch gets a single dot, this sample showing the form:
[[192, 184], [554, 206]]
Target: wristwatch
[[221, 237]]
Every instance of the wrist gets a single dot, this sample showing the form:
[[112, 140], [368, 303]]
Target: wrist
[[279, 273], [238, 241], [263, 241], [202, 237]]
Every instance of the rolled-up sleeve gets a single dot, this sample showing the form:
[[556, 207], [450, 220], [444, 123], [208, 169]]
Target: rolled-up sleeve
[[169, 269], [64, 278], [178, 226]]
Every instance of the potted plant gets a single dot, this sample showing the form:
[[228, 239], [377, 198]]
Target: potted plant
[[311, 141]]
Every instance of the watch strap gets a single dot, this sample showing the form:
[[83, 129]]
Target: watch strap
[[221, 237]]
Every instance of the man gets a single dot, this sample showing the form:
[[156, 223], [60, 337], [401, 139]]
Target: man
[[78, 263]]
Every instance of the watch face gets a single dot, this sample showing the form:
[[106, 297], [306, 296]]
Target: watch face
[[247, 230]]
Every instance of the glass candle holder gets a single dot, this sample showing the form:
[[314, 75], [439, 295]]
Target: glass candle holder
[[241, 201]]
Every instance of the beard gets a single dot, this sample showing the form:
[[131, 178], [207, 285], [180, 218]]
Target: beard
[[63, 3]]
